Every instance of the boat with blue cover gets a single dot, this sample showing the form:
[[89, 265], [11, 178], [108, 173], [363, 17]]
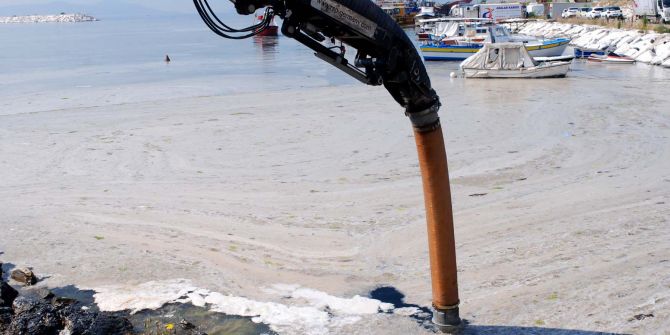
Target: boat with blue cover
[[460, 39], [586, 53]]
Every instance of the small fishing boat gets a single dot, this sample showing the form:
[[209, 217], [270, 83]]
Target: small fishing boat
[[271, 30], [563, 58], [585, 53], [548, 48], [460, 39], [510, 60], [611, 58], [402, 12], [426, 11], [426, 28]]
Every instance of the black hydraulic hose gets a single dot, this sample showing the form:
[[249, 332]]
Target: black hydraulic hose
[[229, 29], [214, 28], [207, 14], [223, 31]]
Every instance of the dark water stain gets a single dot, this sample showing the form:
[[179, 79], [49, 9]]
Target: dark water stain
[[84, 298], [5, 270], [212, 323], [392, 295]]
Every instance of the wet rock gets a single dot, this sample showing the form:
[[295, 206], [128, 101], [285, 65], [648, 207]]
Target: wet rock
[[37, 311], [24, 304], [44, 294], [109, 324], [33, 317], [6, 314], [5, 319], [186, 325], [63, 301], [79, 322], [7, 294], [189, 328], [24, 276]]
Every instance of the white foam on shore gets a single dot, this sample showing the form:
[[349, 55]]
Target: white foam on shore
[[309, 312], [354, 305], [150, 295], [280, 317]]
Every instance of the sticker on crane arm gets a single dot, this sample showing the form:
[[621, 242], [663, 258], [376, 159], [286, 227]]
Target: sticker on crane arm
[[347, 16]]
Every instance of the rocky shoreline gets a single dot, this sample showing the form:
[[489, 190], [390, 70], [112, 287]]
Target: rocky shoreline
[[60, 18], [38, 311], [29, 310], [646, 47]]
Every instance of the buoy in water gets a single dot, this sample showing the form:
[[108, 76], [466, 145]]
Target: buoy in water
[[167, 58], [453, 75]]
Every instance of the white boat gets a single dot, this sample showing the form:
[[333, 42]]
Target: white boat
[[460, 39], [425, 12], [611, 58], [510, 60], [439, 27], [564, 58]]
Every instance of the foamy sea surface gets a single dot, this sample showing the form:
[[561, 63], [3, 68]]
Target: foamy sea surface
[[52, 66]]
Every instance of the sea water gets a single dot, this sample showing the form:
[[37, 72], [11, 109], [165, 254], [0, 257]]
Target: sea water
[[122, 60], [53, 66]]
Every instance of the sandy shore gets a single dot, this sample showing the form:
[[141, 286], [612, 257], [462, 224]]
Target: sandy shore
[[320, 188]]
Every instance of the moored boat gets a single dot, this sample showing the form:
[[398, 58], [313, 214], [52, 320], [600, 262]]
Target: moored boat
[[402, 12], [585, 53], [271, 30], [611, 58], [435, 52], [426, 11], [510, 60], [563, 58], [458, 39], [427, 28]]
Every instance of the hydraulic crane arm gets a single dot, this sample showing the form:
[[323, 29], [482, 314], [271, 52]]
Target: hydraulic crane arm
[[385, 56]]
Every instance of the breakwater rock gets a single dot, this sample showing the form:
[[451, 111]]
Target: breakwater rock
[[647, 47], [60, 18]]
